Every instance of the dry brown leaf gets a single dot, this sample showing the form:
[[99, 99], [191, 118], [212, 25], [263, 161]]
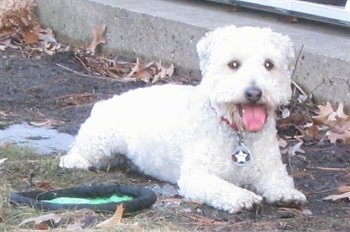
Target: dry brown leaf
[[52, 123], [45, 35], [135, 69], [143, 72], [16, 13], [150, 72], [29, 37], [116, 219], [19, 26], [312, 131], [334, 137], [145, 75], [291, 19], [44, 185], [8, 43], [97, 38], [343, 189], [282, 142], [335, 197], [340, 112], [55, 218], [339, 126], [162, 72], [338, 123], [326, 113]]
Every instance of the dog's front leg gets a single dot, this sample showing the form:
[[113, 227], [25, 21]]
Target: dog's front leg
[[278, 186], [200, 186]]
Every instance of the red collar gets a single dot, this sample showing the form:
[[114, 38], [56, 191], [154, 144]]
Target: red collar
[[232, 125], [225, 120]]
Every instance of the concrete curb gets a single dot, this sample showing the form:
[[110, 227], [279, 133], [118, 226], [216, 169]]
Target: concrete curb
[[169, 30]]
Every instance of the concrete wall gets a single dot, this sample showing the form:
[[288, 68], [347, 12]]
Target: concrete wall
[[169, 30]]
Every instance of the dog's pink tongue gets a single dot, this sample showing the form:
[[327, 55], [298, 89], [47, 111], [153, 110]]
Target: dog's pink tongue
[[254, 117]]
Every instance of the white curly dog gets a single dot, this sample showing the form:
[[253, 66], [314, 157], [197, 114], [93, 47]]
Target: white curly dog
[[210, 139]]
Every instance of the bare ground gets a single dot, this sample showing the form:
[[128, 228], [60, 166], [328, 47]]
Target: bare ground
[[39, 90]]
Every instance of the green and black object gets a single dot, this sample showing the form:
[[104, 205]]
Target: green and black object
[[98, 197]]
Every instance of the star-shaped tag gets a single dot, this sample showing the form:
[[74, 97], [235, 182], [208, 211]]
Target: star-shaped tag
[[241, 155]]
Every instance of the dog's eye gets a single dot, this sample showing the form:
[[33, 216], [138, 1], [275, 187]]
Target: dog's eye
[[268, 64], [234, 64]]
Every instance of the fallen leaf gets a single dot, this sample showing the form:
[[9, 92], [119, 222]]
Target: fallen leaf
[[291, 19], [340, 111], [337, 121], [45, 35], [334, 137], [343, 189], [51, 123], [282, 142], [3, 160], [285, 113], [47, 218], [312, 130], [335, 197], [8, 43], [302, 98], [307, 212], [135, 69], [97, 38], [162, 72], [29, 37], [326, 113], [44, 185], [292, 150], [116, 219]]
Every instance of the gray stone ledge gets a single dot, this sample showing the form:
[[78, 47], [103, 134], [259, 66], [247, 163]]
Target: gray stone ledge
[[169, 30]]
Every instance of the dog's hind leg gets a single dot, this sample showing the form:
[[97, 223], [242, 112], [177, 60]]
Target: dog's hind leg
[[97, 145], [99, 141]]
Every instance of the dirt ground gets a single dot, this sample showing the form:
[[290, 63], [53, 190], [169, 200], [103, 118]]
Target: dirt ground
[[41, 91]]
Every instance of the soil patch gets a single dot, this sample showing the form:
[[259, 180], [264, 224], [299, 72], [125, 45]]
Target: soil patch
[[39, 90]]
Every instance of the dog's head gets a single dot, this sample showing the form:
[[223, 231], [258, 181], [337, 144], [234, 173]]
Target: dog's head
[[246, 72]]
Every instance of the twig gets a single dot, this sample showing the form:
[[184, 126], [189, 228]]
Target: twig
[[71, 70], [84, 75], [299, 88], [295, 67], [82, 63], [297, 60], [330, 169], [203, 220], [76, 95]]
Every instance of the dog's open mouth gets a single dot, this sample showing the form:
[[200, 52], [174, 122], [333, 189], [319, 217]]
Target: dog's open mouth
[[253, 116]]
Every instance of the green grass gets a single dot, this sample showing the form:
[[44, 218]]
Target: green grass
[[25, 170]]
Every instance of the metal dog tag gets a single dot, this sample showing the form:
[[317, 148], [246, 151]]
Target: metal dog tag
[[241, 155]]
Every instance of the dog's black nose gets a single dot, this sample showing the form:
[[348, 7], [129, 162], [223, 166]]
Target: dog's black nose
[[253, 94]]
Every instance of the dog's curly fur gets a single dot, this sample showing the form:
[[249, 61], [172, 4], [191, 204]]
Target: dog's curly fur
[[186, 134]]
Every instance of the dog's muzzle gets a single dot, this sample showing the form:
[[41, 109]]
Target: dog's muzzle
[[253, 114]]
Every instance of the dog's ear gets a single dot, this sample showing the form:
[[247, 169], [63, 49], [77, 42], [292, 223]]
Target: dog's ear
[[203, 50], [285, 45], [206, 43], [290, 53]]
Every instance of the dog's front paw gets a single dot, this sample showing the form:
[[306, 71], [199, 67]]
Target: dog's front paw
[[245, 201], [286, 196], [249, 200], [70, 161]]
